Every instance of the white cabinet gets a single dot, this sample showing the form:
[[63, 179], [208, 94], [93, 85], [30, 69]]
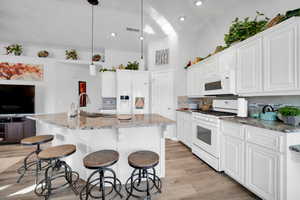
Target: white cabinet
[[227, 60], [211, 66], [262, 172], [184, 128], [280, 59], [249, 66], [233, 158], [254, 157], [195, 84], [108, 84]]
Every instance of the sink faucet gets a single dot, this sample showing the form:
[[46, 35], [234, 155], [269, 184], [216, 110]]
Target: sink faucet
[[79, 98]]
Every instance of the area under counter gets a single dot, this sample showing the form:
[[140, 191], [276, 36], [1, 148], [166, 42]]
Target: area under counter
[[143, 132]]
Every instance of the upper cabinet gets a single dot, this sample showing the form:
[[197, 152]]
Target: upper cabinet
[[249, 67], [268, 63], [280, 59], [108, 84], [264, 65], [195, 83], [227, 60]]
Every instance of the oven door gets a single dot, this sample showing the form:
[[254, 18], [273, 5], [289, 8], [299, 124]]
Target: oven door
[[206, 137]]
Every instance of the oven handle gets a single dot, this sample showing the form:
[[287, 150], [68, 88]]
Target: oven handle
[[206, 125]]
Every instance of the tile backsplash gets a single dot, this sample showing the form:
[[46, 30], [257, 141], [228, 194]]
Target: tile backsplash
[[275, 101]]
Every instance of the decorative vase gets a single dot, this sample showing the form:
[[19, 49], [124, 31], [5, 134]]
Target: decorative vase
[[291, 120], [96, 58], [43, 54]]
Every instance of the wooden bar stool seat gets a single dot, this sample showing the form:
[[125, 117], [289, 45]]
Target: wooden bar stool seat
[[58, 169], [143, 159], [57, 152], [100, 159], [143, 182], [31, 164], [41, 139], [109, 185]]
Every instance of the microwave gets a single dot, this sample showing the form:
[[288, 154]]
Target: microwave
[[222, 84]]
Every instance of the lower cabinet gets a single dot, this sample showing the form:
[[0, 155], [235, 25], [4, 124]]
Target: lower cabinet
[[262, 170], [184, 128], [256, 164], [234, 158]]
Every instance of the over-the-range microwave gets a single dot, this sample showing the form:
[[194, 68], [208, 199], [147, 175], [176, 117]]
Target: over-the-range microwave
[[221, 84]]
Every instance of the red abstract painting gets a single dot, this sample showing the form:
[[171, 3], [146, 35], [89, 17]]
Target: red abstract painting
[[21, 71]]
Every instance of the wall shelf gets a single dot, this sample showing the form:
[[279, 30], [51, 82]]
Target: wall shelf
[[53, 60]]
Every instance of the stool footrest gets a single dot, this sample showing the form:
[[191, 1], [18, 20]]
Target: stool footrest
[[109, 187], [57, 170], [143, 184]]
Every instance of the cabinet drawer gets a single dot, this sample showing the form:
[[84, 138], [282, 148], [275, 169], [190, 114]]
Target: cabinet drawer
[[265, 138], [233, 130]]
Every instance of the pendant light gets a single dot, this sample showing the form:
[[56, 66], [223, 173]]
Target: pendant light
[[142, 62], [93, 70]]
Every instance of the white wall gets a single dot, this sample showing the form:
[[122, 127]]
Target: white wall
[[212, 34], [60, 85]]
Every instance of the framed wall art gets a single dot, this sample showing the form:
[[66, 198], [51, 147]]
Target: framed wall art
[[162, 57]]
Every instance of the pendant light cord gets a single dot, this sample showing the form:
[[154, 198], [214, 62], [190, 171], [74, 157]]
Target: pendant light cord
[[142, 29], [92, 34]]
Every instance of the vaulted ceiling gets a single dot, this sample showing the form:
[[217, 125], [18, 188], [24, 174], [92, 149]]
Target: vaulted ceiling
[[67, 23]]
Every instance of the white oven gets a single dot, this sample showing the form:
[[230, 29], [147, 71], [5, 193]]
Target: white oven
[[206, 131], [206, 136]]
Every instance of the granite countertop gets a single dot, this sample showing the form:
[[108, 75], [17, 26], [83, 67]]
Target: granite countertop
[[270, 125], [88, 123]]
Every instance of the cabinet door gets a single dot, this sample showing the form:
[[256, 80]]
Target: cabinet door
[[188, 130], [29, 128], [233, 157], [211, 66], [249, 67], [180, 126], [108, 84], [14, 132], [190, 82], [262, 172], [280, 59], [227, 60]]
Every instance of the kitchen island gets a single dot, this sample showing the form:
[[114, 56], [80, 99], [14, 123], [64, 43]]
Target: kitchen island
[[90, 134]]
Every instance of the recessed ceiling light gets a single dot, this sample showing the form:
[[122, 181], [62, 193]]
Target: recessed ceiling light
[[198, 3], [141, 38], [182, 18], [113, 34]]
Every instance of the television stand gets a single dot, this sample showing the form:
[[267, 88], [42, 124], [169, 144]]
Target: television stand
[[14, 129]]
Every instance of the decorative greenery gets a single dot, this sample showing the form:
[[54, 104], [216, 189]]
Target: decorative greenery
[[15, 49], [43, 54], [292, 13], [107, 70], [132, 66], [71, 54], [289, 111], [242, 29]]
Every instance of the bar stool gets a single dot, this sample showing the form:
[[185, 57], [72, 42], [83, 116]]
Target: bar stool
[[100, 161], [33, 166], [58, 169], [144, 163]]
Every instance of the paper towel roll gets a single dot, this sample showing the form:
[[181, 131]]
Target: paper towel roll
[[242, 107]]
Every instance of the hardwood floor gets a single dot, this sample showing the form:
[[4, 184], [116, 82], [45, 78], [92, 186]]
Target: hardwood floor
[[187, 178]]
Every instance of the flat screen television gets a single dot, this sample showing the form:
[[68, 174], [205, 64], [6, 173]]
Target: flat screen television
[[17, 99]]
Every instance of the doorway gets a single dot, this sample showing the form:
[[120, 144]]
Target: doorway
[[162, 96]]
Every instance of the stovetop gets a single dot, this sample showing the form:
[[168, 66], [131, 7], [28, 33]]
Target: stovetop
[[215, 113]]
